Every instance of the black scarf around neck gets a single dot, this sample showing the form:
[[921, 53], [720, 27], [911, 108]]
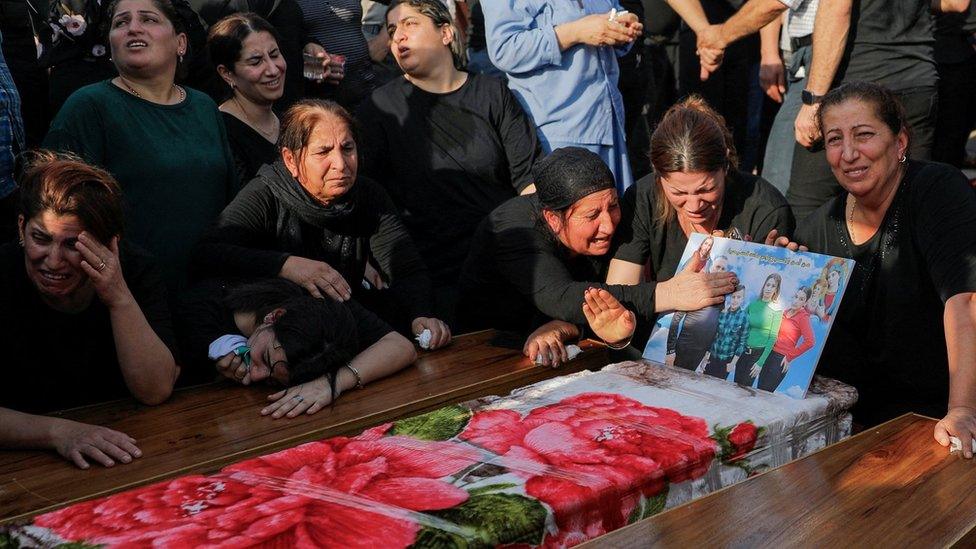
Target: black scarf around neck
[[336, 220], [298, 201]]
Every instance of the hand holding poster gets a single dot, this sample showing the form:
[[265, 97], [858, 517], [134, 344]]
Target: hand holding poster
[[769, 332]]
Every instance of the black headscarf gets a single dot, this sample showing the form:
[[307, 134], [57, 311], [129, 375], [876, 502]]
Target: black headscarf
[[569, 174]]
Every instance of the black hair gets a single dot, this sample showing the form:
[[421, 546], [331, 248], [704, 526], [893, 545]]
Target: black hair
[[262, 296], [885, 103], [569, 174], [318, 337], [226, 38]]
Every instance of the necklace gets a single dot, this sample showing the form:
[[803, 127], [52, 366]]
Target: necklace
[[269, 135], [850, 217], [137, 94]]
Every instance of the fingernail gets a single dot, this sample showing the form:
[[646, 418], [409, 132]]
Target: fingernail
[[126, 459]]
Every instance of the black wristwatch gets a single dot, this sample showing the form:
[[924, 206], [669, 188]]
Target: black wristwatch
[[809, 98]]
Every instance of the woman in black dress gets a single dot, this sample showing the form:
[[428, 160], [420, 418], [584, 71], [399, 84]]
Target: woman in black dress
[[695, 188], [244, 48], [310, 219], [905, 332], [88, 317]]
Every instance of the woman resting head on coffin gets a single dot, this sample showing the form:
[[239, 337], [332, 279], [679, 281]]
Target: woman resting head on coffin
[[88, 319], [272, 330], [535, 256]]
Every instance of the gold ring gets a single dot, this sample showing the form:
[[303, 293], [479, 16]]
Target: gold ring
[[101, 266]]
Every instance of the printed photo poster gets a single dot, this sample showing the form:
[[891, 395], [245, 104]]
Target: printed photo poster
[[769, 333]]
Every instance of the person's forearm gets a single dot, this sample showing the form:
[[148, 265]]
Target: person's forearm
[[390, 354], [20, 430], [692, 13], [751, 18], [146, 362], [960, 331], [830, 32], [769, 40], [567, 35]]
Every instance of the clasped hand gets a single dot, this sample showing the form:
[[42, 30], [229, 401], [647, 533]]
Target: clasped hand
[[599, 30]]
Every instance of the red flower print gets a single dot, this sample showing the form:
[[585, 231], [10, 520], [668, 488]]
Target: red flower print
[[591, 456], [743, 439], [340, 492]]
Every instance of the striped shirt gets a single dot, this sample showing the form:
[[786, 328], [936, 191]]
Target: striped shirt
[[11, 128], [799, 21], [337, 26]]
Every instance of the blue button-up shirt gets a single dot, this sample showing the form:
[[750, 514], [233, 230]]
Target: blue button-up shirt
[[570, 95]]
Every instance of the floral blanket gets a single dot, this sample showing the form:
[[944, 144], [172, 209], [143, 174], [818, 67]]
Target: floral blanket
[[553, 464]]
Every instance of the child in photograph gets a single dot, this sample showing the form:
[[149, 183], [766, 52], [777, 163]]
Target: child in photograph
[[764, 320], [730, 338], [795, 338], [689, 343]]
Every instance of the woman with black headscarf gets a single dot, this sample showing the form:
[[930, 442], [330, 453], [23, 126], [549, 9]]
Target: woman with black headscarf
[[535, 256]]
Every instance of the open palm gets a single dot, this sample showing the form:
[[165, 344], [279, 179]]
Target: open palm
[[608, 319]]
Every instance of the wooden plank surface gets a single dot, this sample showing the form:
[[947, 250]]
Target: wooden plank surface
[[204, 428], [890, 486]]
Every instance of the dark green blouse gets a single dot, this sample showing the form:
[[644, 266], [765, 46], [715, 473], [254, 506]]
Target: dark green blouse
[[172, 161]]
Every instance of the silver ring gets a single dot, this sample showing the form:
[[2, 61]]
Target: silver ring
[[298, 398]]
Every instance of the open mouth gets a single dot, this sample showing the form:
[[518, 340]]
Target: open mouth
[[273, 83], [136, 44], [53, 277], [856, 173]]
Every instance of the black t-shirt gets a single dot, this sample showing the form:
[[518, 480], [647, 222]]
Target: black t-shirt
[[518, 275], [55, 360], [204, 317], [751, 205], [250, 149], [447, 160], [888, 339], [890, 43]]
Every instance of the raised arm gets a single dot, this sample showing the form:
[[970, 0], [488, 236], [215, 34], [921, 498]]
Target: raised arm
[[147, 364]]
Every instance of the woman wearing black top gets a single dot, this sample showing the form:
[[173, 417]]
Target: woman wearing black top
[[309, 219], [695, 188], [905, 333], [535, 256], [272, 330], [245, 50], [87, 322]]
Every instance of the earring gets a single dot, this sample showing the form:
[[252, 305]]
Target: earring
[[181, 57], [903, 158]]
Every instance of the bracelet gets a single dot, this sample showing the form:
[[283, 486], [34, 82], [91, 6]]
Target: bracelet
[[620, 345], [359, 378]]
